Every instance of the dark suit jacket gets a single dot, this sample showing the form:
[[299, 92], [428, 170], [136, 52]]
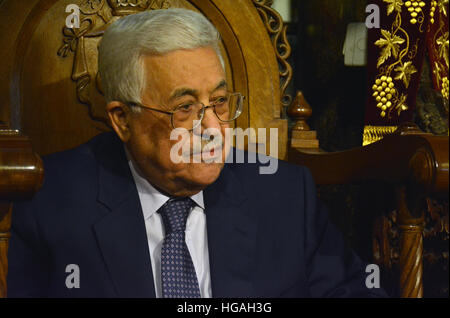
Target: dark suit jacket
[[267, 235]]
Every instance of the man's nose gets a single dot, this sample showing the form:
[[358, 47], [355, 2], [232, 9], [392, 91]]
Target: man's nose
[[210, 119]]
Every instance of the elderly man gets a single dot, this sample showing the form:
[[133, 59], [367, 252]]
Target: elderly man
[[120, 217]]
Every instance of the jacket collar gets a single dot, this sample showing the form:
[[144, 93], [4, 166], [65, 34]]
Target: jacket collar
[[121, 233], [232, 227]]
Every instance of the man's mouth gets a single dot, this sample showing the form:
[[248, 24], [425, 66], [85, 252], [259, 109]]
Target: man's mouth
[[211, 151], [207, 151]]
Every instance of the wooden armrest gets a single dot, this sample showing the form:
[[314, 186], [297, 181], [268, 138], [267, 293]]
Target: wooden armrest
[[21, 170], [422, 158]]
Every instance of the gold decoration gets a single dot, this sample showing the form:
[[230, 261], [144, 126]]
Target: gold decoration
[[432, 11], [396, 56], [443, 6], [394, 5], [374, 133], [439, 49], [405, 71], [437, 71], [442, 43], [384, 91], [390, 44], [401, 104], [415, 10], [444, 89]]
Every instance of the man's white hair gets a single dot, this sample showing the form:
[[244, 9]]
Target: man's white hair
[[124, 43]]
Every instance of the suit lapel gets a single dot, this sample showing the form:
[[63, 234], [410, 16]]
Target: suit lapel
[[121, 233], [231, 227]]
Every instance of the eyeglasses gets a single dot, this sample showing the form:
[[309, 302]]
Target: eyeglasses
[[189, 115]]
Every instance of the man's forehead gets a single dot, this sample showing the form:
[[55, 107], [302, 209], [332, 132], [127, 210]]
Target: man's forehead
[[185, 73], [183, 91]]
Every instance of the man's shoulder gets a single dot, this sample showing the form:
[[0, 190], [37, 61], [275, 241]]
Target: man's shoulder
[[74, 158], [78, 165], [249, 163], [257, 170]]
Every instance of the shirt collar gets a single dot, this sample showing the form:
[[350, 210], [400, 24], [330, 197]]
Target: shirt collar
[[151, 198]]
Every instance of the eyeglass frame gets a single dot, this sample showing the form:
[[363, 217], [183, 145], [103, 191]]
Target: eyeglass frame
[[203, 109]]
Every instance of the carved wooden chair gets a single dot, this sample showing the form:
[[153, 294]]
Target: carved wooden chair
[[52, 95]]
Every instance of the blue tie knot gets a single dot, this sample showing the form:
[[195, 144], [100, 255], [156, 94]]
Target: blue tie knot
[[174, 214]]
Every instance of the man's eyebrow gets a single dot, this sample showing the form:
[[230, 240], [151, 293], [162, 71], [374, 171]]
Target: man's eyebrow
[[183, 91], [222, 84]]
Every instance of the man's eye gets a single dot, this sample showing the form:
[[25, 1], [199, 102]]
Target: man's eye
[[221, 100], [186, 107]]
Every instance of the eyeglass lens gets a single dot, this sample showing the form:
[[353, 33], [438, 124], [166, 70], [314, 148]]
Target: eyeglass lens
[[226, 109]]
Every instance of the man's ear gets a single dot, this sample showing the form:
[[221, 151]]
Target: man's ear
[[120, 116]]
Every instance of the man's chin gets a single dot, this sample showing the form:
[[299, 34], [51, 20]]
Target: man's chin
[[203, 174]]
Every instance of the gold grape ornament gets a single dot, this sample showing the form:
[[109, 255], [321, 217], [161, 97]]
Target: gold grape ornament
[[383, 92], [444, 89], [414, 9]]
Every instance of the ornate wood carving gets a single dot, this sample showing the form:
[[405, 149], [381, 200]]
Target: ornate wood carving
[[277, 32], [437, 219], [386, 249], [436, 248], [411, 223], [95, 17]]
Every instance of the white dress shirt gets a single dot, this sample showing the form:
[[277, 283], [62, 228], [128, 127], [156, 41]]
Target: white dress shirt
[[195, 235]]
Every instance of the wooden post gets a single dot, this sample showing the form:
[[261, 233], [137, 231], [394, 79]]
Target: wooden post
[[5, 224], [411, 223], [21, 175], [302, 137]]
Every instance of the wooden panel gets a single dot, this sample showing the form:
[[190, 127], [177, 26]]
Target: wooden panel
[[12, 16]]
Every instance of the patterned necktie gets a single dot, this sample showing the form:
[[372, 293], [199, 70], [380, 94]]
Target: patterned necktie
[[177, 270]]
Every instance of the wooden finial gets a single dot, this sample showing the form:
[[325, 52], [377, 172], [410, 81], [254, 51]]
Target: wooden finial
[[299, 112]]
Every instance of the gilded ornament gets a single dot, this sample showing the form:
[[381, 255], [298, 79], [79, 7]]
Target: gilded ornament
[[442, 43], [444, 86], [391, 46], [432, 10], [401, 105], [394, 5], [374, 133], [415, 10], [443, 6], [381, 93], [405, 70]]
